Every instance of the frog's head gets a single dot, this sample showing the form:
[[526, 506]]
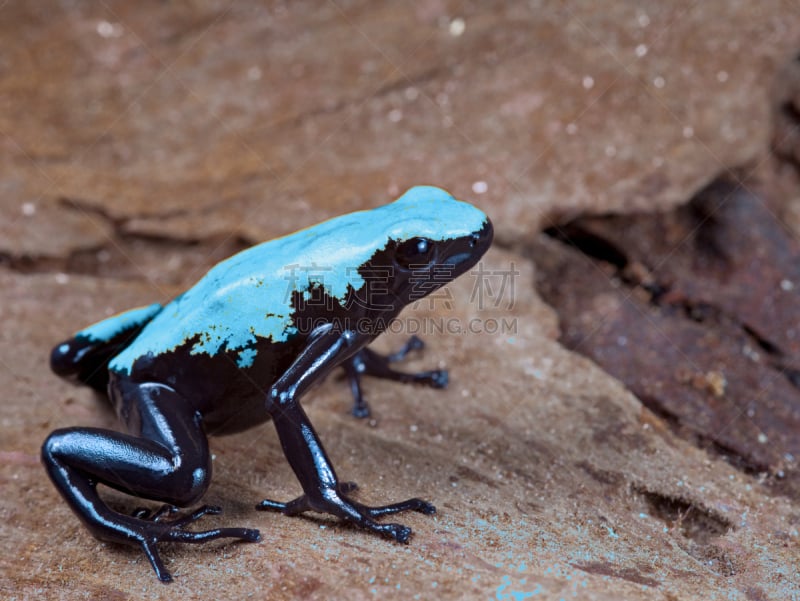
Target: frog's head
[[432, 238]]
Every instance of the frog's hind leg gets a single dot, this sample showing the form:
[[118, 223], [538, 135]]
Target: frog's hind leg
[[85, 356], [166, 459], [368, 362]]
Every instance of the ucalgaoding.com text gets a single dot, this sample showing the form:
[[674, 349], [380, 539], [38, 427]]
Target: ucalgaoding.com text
[[423, 326]]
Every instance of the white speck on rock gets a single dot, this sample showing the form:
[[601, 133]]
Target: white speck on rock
[[659, 82], [750, 353], [395, 115], [641, 50], [480, 187], [28, 209], [588, 82], [457, 27], [109, 30]]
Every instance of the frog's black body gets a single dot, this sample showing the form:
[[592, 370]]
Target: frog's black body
[[172, 399]]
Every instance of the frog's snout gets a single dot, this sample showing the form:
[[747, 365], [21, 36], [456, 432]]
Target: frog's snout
[[468, 250], [481, 241]]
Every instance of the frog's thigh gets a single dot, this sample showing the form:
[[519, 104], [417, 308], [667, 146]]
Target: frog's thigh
[[165, 458]]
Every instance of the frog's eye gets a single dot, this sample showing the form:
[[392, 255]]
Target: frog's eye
[[416, 252]]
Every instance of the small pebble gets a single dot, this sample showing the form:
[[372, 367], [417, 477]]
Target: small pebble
[[480, 187], [457, 27]]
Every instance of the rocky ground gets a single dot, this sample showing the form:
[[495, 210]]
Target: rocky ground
[[623, 421]]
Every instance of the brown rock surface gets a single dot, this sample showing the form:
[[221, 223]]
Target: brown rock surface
[[706, 297], [140, 143]]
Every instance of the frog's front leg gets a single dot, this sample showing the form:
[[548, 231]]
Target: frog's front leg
[[167, 459], [367, 362], [322, 489]]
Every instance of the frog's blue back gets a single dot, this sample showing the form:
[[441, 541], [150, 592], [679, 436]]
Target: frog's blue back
[[249, 295]]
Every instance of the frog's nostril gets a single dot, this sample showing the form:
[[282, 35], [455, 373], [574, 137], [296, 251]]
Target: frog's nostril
[[482, 236]]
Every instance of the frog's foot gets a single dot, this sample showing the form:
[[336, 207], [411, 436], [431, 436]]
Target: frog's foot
[[368, 362], [414, 343], [151, 528], [170, 510], [143, 513], [171, 464], [334, 502]]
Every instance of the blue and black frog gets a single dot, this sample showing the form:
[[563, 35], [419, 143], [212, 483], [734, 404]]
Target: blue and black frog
[[242, 347]]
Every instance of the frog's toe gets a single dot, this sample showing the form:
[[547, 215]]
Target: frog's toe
[[169, 511], [179, 535], [143, 513], [271, 505], [361, 410], [293, 507], [175, 528], [151, 552], [437, 378], [398, 532], [197, 514], [347, 487], [414, 504], [414, 343]]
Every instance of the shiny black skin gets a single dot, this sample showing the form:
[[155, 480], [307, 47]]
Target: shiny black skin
[[170, 403]]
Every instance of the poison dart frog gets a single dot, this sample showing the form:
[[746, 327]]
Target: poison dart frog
[[242, 347]]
